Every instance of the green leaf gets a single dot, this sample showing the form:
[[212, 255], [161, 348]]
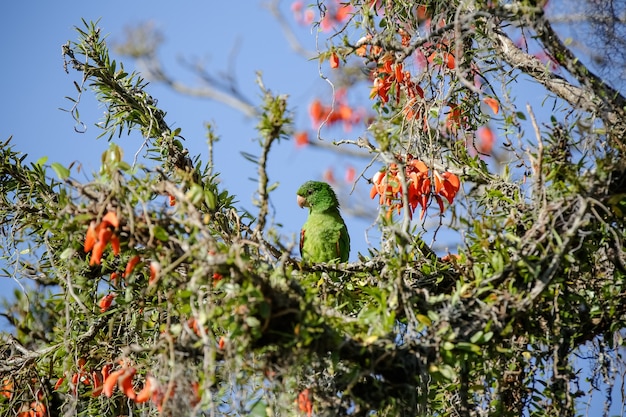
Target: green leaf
[[160, 233], [195, 194], [259, 409], [468, 347], [67, 253], [62, 172], [253, 321]]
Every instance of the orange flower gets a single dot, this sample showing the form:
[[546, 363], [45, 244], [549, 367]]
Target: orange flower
[[110, 219], [7, 388], [361, 50], [36, 409], [486, 139], [422, 13], [106, 301], [59, 382], [317, 112], [305, 403], [110, 381], [345, 112], [222, 343], [155, 270], [405, 37], [132, 263], [115, 244], [453, 120], [350, 174], [97, 384], [446, 58], [192, 322], [91, 237], [381, 88], [334, 60], [343, 12], [419, 192], [171, 200], [329, 175], [302, 138], [376, 180], [447, 185], [106, 369], [39, 409], [99, 236], [387, 185], [149, 387], [125, 382], [493, 104], [124, 379], [451, 257]]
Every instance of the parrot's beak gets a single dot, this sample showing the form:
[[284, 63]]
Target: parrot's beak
[[302, 201]]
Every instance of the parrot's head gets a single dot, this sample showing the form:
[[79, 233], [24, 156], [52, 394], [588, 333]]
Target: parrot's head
[[317, 195]]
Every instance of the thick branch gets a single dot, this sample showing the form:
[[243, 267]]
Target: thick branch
[[532, 66]]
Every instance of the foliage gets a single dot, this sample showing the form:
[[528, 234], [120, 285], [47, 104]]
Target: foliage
[[156, 295]]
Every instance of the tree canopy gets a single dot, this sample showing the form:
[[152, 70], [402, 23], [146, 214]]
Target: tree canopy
[[154, 293]]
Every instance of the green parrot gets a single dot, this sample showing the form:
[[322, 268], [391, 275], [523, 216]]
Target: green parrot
[[324, 236]]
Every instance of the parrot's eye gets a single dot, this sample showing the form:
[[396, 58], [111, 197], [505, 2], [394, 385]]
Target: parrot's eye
[[310, 191]]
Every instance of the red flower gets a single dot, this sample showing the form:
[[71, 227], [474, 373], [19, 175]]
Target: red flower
[[302, 138], [486, 139], [90, 237], [132, 263], [493, 104], [98, 237], [447, 185], [7, 388], [97, 384], [106, 301], [350, 174], [334, 60], [149, 388], [125, 382], [305, 402], [110, 382], [124, 379], [155, 269]]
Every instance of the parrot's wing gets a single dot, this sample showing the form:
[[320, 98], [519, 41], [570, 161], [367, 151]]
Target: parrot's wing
[[343, 244]]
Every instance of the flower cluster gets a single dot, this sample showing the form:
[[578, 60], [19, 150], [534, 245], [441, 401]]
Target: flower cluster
[[100, 235], [305, 402], [104, 382], [441, 56], [34, 408], [342, 112], [336, 13], [421, 187], [391, 81]]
